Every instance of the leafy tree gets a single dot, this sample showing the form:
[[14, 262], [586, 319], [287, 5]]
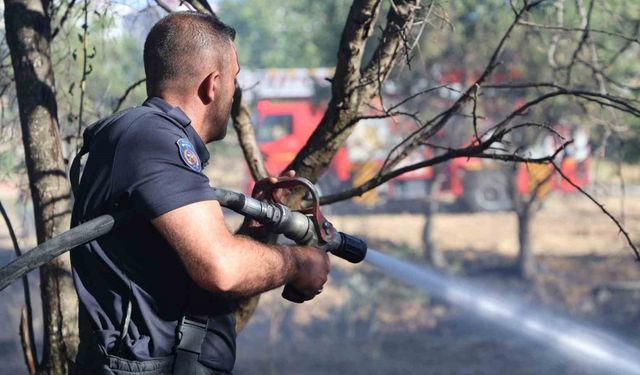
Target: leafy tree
[[285, 33]]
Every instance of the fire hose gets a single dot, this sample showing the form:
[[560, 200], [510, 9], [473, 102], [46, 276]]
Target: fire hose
[[305, 225]]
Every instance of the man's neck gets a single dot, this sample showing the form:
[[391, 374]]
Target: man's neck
[[193, 112]]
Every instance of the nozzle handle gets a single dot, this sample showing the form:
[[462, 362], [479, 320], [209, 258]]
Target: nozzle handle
[[291, 294]]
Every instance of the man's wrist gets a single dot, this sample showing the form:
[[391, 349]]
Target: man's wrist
[[292, 261]]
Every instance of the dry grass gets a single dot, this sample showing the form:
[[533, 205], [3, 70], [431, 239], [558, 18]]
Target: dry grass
[[567, 225], [608, 172]]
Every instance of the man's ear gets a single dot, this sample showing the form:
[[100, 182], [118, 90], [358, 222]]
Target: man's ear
[[209, 87]]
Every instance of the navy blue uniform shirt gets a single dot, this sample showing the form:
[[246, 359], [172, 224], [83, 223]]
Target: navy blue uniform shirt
[[148, 163]]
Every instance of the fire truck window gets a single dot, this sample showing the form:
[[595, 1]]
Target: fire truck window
[[274, 128]]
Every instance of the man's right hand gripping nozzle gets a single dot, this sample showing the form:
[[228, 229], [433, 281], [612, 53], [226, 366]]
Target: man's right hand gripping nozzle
[[313, 267]]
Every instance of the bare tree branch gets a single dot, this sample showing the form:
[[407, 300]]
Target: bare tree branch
[[351, 90], [555, 39], [26, 327], [404, 148], [475, 150], [85, 72], [63, 19], [621, 104], [624, 48], [201, 6], [601, 206], [241, 116], [584, 39], [394, 40], [632, 39], [126, 94], [598, 72], [359, 26], [26, 342], [474, 112], [164, 6]]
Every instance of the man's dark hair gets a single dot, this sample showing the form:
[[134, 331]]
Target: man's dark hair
[[178, 43]]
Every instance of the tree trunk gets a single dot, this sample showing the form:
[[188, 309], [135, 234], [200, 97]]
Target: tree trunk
[[28, 36], [354, 86], [526, 262], [430, 251]]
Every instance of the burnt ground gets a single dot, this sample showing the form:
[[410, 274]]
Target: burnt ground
[[365, 323]]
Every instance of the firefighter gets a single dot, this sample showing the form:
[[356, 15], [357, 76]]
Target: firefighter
[[158, 295]]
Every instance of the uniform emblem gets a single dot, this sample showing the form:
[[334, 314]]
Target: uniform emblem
[[188, 154]]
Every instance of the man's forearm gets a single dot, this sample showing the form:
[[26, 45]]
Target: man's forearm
[[255, 267], [219, 261]]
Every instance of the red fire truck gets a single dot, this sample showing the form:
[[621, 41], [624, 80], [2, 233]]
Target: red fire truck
[[286, 119]]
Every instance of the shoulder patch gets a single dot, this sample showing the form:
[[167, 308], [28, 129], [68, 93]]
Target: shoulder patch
[[189, 155]]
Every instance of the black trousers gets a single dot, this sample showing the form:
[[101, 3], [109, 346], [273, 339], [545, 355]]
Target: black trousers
[[185, 363]]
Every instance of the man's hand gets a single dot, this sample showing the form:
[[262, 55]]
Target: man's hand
[[251, 227], [313, 269], [313, 264]]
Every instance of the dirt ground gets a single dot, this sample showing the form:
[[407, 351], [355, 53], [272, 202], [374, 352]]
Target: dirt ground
[[366, 323]]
